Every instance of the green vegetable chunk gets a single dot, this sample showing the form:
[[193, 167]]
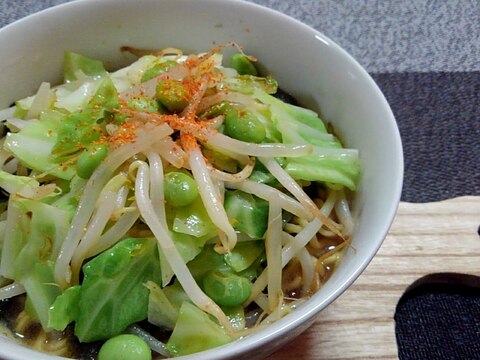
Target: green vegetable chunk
[[75, 62], [193, 220], [114, 284], [41, 291], [246, 84], [161, 311], [125, 347], [244, 254], [180, 189], [195, 331], [172, 94], [249, 213], [33, 236], [90, 159], [207, 260], [33, 146], [64, 310], [157, 69], [243, 125], [17, 184], [329, 162], [79, 129], [243, 65], [236, 316], [226, 289]]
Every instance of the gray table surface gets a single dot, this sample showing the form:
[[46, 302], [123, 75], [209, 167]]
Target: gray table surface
[[383, 35]]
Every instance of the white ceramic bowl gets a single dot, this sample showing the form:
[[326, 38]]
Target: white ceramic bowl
[[306, 63]]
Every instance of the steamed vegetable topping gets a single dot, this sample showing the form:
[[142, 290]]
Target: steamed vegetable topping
[[169, 207]]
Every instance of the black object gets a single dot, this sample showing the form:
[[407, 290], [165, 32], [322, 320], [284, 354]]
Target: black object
[[438, 115]]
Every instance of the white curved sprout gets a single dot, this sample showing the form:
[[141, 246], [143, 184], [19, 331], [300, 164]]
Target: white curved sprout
[[273, 250], [238, 177], [121, 199], [156, 186], [342, 209], [158, 202], [211, 197], [222, 141], [271, 194], [293, 247], [11, 290], [308, 270], [288, 252], [116, 232], [93, 231], [297, 191], [171, 253]]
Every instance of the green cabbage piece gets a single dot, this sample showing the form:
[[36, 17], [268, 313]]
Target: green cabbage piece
[[248, 83], [244, 260], [329, 162], [79, 129], [248, 213], [195, 331], [236, 315], [73, 63], [17, 184], [64, 309], [193, 220], [113, 294], [207, 260], [164, 304], [41, 291], [34, 234], [191, 229], [70, 197], [244, 255], [33, 145]]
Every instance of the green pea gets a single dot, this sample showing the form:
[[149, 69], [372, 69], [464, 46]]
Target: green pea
[[243, 65], [90, 159], [180, 189], [243, 125], [157, 69], [143, 104], [173, 94], [125, 347], [227, 289]]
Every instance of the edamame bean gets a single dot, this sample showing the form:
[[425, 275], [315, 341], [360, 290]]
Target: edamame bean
[[180, 189], [243, 65], [243, 125], [226, 289], [157, 69], [90, 159], [173, 94], [125, 347]]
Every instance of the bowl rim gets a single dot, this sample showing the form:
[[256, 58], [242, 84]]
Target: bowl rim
[[310, 308]]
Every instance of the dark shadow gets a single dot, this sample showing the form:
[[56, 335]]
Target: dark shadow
[[438, 317]]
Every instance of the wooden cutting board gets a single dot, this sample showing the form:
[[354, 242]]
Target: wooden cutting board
[[421, 241]]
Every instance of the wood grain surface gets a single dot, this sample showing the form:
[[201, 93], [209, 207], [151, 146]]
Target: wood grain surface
[[421, 241]]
